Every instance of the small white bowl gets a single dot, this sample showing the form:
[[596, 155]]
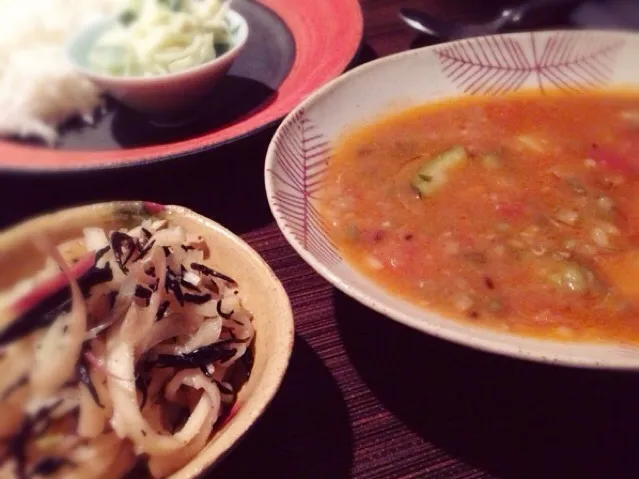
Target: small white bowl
[[163, 96]]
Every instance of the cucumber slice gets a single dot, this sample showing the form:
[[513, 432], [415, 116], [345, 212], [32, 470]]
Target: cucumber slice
[[433, 174]]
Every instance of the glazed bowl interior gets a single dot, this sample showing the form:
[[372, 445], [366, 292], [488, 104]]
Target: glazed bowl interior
[[301, 151], [262, 294]]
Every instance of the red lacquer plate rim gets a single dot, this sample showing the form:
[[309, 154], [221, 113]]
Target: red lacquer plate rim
[[327, 37]]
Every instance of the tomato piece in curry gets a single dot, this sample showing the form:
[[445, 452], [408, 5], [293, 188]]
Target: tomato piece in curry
[[515, 212]]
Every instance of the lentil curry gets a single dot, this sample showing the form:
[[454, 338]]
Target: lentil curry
[[514, 212]]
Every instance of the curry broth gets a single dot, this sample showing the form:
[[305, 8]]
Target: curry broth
[[537, 232]]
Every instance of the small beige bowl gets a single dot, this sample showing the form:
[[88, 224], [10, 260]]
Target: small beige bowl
[[162, 97], [262, 293]]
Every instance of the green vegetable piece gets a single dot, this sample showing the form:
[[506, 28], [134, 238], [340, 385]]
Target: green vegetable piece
[[175, 5], [572, 277], [127, 17], [433, 173], [221, 48], [495, 305], [576, 185], [491, 161], [351, 232]]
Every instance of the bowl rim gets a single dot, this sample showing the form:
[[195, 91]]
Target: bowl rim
[[231, 53], [494, 343], [275, 370]]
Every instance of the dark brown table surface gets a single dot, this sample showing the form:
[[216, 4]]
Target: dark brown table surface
[[365, 397]]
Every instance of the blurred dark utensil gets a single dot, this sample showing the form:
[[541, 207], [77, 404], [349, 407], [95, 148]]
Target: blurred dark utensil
[[608, 14], [525, 16]]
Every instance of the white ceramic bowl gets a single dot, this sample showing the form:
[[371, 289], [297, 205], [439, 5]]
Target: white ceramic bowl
[[262, 294], [301, 150], [164, 96]]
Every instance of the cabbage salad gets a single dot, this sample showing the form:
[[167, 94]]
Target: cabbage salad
[[159, 37]]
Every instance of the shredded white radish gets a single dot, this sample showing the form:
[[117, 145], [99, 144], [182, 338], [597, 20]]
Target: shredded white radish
[[140, 351], [56, 359], [192, 278], [95, 239], [208, 333]]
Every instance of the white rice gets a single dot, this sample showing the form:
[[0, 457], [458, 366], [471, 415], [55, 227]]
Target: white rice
[[39, 90]]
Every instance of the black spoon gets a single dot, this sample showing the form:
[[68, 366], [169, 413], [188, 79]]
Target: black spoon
[[530, 14]]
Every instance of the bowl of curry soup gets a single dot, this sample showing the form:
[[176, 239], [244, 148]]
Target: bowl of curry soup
[[483, 191]]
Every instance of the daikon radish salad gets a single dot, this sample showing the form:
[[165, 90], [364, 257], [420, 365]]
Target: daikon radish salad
[[125, 354], [159, 37]]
